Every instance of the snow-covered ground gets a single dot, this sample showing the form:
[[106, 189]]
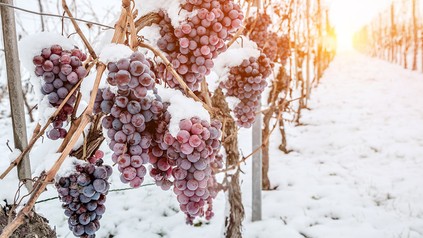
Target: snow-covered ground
[[356, 169], [358, 161]]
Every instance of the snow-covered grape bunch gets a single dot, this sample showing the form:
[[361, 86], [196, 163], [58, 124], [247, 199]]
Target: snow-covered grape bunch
[[257, 28], [60, 70], [194, 149], [246, 82], [267, 41], [137, 123], [129, 113], [83, 194], [192, 46], [270, 49]]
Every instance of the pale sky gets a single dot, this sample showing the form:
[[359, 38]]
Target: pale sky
[[349, 15]]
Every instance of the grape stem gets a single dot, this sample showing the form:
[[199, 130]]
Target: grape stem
[[75, 124], [133, 40], [120, 26], [90, 64], [147, 20], [184, 86], [205, 92]]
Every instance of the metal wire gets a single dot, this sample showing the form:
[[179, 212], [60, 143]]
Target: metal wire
[[55, 15]]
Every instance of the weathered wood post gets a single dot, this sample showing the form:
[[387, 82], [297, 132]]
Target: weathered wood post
[[308, 53], [15, 88], [257, 161], [257, 168], [415, 36]]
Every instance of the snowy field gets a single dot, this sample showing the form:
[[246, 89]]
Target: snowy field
[[358, 161], [356, 169]]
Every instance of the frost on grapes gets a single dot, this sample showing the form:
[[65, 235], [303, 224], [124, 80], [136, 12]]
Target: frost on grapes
[[192, 46], [159, 131], [57, 68], [113, 52], [83, 189], [241, 49], [247, 82], [180, 108]]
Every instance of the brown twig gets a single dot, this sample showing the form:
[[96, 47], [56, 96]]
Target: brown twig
[[89, 65], [75, 25], [120, 26], [205, 92], [147, 20], [8, 146], [133, 40]]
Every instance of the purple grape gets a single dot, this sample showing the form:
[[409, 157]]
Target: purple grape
[[86, 207], [100, 185], [88, 191]]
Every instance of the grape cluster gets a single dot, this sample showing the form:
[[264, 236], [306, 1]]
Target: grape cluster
[[284, 50], [83, 194], [138, 126], [257, 27], [246, 82], [194, 149], [192, 46], [128, 113], [270, 49], [267, 41], [61, 70], [125, 126]]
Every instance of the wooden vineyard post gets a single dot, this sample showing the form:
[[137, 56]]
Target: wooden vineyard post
[[257, 159], [308, 43], [257, 168], [392, 57], [15, 89], [415, 36], [319, 42]]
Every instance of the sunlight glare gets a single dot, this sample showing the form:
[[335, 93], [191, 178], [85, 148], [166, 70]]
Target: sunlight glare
[[348, 16]]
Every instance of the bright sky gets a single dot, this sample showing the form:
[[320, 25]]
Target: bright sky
[[349, 15]]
